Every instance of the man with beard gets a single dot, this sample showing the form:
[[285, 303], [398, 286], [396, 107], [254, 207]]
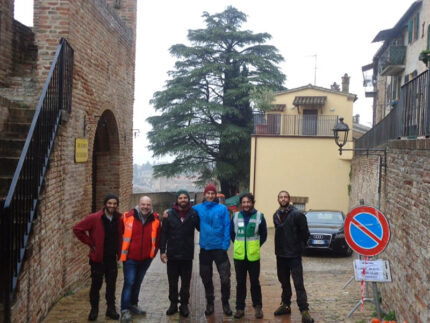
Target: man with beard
[[248, 231], [214, 243], [101, 232], [291, 235], [141, 235], [177, 236]]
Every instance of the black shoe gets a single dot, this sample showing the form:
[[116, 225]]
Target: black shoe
[[226, 308], [112, 313], [173, 308], [283, 309], [209, 309], [93, 314], [183, 310]]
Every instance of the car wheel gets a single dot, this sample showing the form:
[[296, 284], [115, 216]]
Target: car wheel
[[348, 252]]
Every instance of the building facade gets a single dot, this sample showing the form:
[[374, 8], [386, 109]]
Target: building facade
[[102, 34], [292, 149], [398, 59]]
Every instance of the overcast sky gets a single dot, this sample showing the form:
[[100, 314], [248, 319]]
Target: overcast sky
[[339, 32]]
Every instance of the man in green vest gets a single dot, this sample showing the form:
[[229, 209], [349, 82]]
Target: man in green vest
[[248, 231]]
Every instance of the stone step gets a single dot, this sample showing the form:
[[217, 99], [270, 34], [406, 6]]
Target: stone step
[[15, 130], [8, 165], [11, 147], [20, 115], [4, 185]]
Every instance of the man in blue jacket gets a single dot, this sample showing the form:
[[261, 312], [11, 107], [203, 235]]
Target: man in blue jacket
[[214, 243]]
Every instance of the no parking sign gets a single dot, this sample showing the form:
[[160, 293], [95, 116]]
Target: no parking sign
[[367, 231]]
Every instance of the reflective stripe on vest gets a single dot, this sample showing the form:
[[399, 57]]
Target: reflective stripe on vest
[[126, 237], [247, 238], [128, 230]]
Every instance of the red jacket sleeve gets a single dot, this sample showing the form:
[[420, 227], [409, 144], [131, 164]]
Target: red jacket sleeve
[[82, 227]]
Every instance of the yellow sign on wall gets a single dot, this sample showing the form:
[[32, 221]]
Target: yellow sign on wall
[[81, 150]]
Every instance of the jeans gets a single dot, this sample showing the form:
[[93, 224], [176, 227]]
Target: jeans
[[253, 268], [284, 267], [134, 272], [110, 271], [220, 257], [176, 269]]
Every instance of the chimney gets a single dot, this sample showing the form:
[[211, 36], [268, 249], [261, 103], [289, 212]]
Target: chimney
[[345, 83]]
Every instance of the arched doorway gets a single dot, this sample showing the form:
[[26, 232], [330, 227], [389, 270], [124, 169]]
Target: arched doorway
[[106, 160]]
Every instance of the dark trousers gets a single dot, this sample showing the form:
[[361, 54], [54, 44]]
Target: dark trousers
[[253, 268], [176, 269], [285, 266], [110, 271], [220, 257]]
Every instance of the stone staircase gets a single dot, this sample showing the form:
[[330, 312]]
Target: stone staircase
[[17, 102]]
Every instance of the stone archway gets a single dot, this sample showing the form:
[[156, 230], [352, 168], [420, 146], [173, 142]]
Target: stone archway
[[106, 160]]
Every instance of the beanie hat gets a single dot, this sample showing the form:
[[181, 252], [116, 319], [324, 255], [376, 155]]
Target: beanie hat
[[109, 197], [210, 187], [181, 191]]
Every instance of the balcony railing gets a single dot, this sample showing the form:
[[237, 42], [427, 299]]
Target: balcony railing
[[392, 62], [294, 125], [411, 117]]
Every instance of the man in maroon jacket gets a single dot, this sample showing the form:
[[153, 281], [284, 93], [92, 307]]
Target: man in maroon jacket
[[101, 231]]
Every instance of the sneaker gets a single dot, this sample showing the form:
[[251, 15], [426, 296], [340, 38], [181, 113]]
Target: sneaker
[[226, 309], [209, 309], [173, 308], [112, 313], [306, 317], [183, 310], [258, 312], [136, 310], [93, 314], [126, 316], [283, 309], [239, 314]]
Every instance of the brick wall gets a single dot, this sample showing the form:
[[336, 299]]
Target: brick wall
[[6, 38], [405, 202], [103, 84]]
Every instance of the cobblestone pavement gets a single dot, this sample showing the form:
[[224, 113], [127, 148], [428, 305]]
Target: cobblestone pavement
[[324, 277]]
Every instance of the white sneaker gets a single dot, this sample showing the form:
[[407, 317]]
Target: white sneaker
[[126, 316]]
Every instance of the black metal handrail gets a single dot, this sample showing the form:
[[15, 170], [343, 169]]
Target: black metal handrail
[[410, 118], [19, 209], [294, 125]]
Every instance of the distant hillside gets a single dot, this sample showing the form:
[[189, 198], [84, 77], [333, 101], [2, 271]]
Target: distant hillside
[[143, 181]]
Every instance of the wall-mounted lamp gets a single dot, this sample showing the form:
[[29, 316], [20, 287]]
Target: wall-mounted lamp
[[292, 108], [332, 109], [136, 133]]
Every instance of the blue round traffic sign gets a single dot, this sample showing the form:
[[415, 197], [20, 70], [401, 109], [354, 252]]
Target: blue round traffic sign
[[367, 231]]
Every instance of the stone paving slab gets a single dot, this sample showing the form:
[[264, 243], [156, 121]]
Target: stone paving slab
[[324, 277]]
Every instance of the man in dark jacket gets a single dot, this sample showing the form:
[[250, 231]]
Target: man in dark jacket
[[101, 232], [291, 235], [177, 236], [248, 231], [141, 235]]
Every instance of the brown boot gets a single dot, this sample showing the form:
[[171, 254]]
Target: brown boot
[[258, 312], [239, 314]]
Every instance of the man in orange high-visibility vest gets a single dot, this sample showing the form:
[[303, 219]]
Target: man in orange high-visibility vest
[[141, 234]]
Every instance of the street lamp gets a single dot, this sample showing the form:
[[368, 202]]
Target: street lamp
[[340, 131]]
